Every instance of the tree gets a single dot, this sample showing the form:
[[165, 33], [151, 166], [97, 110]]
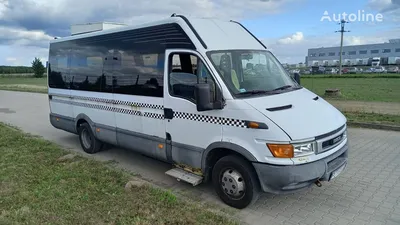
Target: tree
[[38, 67]]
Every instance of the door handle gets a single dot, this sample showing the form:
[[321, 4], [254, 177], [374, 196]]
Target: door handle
[[168, 113]]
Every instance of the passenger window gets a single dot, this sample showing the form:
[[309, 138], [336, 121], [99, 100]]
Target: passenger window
[[187, 70]]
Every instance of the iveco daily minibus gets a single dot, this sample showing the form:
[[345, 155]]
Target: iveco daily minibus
[[204, 95]]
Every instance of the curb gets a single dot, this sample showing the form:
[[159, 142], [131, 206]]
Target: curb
[[374, 126]]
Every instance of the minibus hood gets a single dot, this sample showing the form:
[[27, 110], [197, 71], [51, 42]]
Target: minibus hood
[[300, 113]]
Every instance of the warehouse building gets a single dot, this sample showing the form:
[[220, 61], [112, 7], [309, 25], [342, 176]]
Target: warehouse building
[[383, 54]]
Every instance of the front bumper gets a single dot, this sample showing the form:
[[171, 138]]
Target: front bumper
[[286, 179]]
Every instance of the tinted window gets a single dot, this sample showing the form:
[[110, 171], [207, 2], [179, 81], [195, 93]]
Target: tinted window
[[331, 54], [186, 70], [397, 49], [352, 53], [363, 52], [58, 66], [126, 62], [86, 67], [374, 51], [139, 73]]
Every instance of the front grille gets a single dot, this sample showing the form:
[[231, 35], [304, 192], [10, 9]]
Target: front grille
[[333, 141], [330, 140]]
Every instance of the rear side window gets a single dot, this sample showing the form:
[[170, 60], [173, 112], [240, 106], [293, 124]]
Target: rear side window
[[58, 66]]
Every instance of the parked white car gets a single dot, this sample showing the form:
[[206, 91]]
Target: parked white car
[[331, 71], [380, 69], [394, 69]]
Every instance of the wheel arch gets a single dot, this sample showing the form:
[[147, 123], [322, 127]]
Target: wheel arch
[[82, 118], [217, 150]]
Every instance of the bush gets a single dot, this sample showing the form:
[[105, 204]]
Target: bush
[[38, 68]]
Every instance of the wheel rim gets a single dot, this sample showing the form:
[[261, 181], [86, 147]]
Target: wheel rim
[[86, 138], [232, 183]]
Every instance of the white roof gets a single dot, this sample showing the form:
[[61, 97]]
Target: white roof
[[217, 34]]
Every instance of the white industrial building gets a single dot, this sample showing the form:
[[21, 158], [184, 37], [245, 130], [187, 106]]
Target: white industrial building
[[387, 53]]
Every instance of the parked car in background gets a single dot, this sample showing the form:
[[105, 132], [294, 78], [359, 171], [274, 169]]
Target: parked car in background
[[353, 70], [345, 70], [394, 69], [321, 70], [305, 71], [370, 70], [331, 71], [380, 69]]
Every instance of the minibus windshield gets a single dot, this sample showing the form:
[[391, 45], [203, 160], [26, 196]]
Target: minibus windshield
[[252, 72]]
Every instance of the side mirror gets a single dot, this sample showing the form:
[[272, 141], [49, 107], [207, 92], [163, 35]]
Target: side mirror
[[297, 77], [203, 98]]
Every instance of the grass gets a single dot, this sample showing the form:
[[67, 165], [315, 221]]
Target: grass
[[10, 80], [366, 89], [361, 75], [23, 83], [36, 188], [373, 118]]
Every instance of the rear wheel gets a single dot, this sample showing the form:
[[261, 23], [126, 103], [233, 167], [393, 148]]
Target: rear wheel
[[235, 181], [90, 144]]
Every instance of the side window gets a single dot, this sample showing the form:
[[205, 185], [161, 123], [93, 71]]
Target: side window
[[138, 73], [58, 66], [187, 70], [86, 68]]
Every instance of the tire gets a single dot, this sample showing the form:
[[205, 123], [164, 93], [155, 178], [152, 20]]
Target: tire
[[232, 174], [89, 143]]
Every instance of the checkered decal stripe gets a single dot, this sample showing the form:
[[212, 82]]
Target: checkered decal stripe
[[210, 119], [118, 102], [101, 107], [154, 115], [93, 99], [138, 104], [178, 115], [128, 111]]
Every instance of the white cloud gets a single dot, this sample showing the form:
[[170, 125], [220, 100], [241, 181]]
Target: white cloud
[[389, 8], [11, 59], [19, 36], [46, 11], [3, 7], [295, 38], [35, 22], [380, 5]]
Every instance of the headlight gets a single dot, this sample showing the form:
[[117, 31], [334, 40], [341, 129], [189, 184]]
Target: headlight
[[304, 149], [292, 150]]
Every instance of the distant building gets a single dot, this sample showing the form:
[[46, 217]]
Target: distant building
[[387, 53]]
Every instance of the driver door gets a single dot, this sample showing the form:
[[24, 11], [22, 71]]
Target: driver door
[[189, 132]]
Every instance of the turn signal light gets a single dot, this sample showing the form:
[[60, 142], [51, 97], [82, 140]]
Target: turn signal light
[[281, 150]]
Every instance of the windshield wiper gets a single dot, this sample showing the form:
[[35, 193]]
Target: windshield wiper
[[282, 88], [253, 92]]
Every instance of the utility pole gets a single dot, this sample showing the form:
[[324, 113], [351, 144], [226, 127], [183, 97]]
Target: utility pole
[[342, 23]]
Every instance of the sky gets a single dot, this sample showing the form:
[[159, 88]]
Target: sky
[[287, 27]]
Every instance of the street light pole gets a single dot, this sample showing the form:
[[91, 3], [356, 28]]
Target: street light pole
[[342, 23]]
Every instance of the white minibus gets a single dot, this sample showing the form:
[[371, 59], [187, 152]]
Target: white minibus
[[205, 96]]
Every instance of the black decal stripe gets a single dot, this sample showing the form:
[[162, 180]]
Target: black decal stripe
[[179, 115], [210, 119], [112, 101]]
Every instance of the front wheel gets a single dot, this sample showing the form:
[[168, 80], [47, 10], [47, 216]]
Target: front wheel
[[235, 181]]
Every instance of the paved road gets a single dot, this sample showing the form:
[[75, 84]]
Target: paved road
[[368, 192]]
